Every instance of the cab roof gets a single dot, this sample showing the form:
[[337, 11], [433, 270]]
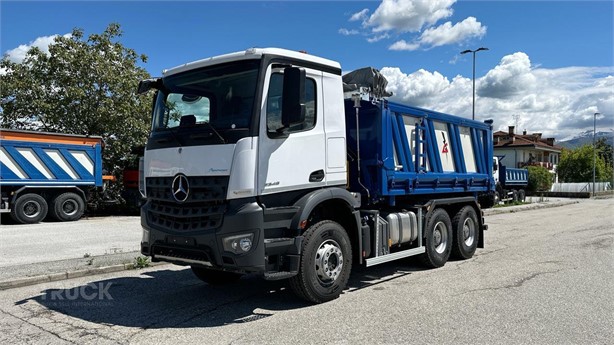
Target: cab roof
[[251, 53]]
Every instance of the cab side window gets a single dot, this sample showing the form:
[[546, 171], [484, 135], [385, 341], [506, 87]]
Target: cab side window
[[273, 107]]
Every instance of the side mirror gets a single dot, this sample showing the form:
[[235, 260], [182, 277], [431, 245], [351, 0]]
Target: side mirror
[[148, 84], [293, 97]]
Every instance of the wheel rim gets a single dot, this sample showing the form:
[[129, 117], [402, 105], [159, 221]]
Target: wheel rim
[[32, 209], [468, 232], [440, 237], [329, 262], [70, 207]]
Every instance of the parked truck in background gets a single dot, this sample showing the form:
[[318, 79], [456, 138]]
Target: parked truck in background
[[47, 174], [510, 183], [268, 161]]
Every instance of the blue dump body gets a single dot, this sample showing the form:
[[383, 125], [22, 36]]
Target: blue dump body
[[407, 151], [510, 177], [49, 159]]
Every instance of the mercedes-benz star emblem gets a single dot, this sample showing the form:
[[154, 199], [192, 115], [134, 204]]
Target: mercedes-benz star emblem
[[180, 188]]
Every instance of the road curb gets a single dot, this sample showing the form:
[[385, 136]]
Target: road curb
[[52, 277], [521, 208]]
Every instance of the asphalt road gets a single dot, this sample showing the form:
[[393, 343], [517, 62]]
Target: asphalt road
[[32, 243], [545, 277], [33, 249]]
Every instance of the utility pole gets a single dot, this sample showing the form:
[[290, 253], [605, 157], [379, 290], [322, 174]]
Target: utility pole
[[473, 51], [594, 149]]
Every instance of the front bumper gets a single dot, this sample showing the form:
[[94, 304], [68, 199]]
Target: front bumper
[[276, 257], [198, 246]]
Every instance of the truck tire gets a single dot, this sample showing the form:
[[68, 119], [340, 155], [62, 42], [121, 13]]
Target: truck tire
[[466, 234], [67, 207], [29, 209], [522, 196], [214, 277], [438, 239], [325, 265]]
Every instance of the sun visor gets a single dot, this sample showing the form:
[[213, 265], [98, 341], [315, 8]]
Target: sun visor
[[368, 77]]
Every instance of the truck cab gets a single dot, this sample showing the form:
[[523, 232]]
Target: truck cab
[[225, 158]]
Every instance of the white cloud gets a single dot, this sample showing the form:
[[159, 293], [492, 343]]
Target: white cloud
[[377, 38], [346, 32], [512, 76], [403, 45], [450, 34], [556, 102], [444, 34], [408, 15], [417, 19], [362, 15], [18, 54], [414, 87]]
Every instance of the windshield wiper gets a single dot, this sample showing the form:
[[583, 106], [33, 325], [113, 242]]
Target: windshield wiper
[[175, 137], [216, 132]]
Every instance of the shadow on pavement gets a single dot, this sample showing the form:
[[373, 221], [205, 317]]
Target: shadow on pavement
[[177, 299]]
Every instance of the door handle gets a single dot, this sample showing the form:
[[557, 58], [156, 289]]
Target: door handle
[[316, 176]]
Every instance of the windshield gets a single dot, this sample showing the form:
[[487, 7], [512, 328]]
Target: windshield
[[216, 98]]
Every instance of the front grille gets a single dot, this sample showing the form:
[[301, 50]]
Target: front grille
[[203, 209], [204, 188]]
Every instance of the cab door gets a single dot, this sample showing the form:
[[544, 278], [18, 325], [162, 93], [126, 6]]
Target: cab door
[[297, 160]]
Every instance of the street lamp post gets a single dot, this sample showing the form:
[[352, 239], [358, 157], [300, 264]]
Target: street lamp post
[[594, 148], [473, 51]]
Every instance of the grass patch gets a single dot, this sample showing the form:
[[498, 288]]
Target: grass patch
[[141, 262], [514, 203]]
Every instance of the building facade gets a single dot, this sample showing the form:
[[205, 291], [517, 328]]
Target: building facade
[[522, 150]]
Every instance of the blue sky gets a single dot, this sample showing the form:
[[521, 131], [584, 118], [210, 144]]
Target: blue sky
[[548, 69]]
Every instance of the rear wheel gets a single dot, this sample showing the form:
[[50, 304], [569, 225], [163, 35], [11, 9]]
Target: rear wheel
[[438, 239], [214, 277], [522, 196], [29, 209], [326, 262], [466, 233], [67, 207]]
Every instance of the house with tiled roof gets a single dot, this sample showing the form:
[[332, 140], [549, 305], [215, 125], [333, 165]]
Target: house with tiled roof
[[522, 150]]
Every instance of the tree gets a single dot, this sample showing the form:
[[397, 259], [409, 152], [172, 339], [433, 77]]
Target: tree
[[577, 166], [82, 86], [605, 151], [540, 179]]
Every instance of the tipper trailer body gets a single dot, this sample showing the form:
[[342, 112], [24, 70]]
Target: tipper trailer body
[[47, 173]]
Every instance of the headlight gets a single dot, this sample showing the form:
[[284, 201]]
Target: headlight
[[239, 244]]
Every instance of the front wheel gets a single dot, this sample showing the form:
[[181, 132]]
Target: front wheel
[[438, 239], [326, 262]]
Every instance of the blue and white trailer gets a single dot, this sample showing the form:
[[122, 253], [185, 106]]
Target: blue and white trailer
[[47, 174], [269, 161]]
